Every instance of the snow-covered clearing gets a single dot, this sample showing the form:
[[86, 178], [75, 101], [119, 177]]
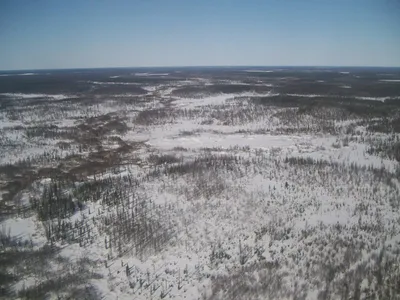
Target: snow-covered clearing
[[390, 80], [33, 96]]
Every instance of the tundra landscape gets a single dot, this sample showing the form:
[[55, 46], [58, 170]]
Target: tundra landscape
[[200, 183]]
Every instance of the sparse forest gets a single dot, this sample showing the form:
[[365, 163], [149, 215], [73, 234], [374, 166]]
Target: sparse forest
[[200, 184]]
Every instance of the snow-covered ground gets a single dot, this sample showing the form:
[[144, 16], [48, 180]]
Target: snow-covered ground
[[390, 80], [215, 197], [33, 96]]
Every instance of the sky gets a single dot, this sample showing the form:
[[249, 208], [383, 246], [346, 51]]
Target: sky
[[52, 34]]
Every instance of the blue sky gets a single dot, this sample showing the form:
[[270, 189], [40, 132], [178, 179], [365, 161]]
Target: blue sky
[[38, 34]]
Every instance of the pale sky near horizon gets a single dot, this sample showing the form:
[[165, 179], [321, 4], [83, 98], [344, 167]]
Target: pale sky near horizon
[[51, 34]]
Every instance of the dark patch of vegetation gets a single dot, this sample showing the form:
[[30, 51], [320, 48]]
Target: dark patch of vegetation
[[118, 89], [197, 91], [387, 149], [54, 203], [163, 159], [155, 116], [352, 107]]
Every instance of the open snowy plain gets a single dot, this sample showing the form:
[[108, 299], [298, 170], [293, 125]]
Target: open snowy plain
[[200, 183]]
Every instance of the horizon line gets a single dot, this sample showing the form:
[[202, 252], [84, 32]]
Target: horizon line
[[200, 66]]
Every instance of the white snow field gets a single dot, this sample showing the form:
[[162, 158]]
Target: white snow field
[[253, 194], [32, 96]]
